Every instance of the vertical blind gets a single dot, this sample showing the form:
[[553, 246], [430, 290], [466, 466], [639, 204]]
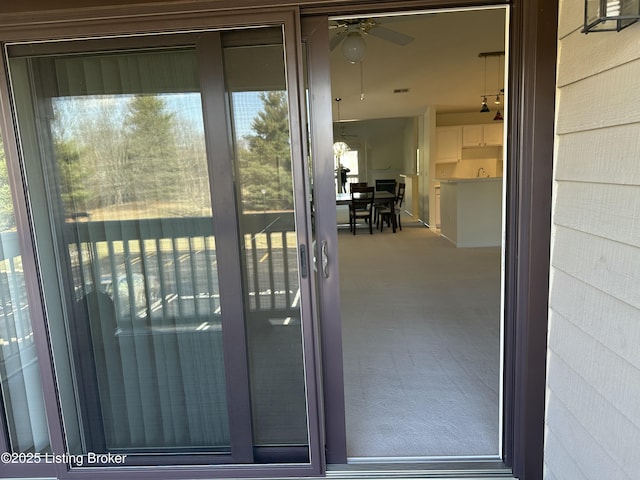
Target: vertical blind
[[130, 210], [19, 373]]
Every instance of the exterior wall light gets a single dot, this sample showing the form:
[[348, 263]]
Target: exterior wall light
[[610, 15]]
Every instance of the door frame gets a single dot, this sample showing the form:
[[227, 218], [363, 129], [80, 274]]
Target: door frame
[[529, 150], [316, 39], [533, 44]]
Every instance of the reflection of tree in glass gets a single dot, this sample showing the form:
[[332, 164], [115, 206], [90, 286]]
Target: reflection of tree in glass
[[123, 152], [151, 159], [72, 171], [7, 220], [93, 128], [265, 163], [192, 175], [120, 153]]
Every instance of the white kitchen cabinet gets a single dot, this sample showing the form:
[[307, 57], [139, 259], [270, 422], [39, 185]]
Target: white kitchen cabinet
[[493, 133], [448, 144], [472, 136], [484, 135]]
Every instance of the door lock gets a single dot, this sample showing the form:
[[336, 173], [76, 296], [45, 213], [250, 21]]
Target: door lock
[[325, 259]]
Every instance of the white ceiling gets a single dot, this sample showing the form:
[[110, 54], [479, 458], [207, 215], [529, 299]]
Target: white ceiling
[[440, 67]]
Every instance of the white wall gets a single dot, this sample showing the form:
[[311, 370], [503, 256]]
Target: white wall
[[384, 145], [427, 168], [593, 385]]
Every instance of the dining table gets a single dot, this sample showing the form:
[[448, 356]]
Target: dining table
[[380, 197]]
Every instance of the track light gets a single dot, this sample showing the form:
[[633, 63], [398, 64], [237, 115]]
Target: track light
[[485, 107], [498, 99]]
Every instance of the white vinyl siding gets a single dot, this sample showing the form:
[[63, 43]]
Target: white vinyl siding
[[593, 382]]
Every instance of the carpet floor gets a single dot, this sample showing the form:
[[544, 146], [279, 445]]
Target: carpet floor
[[421, 342]]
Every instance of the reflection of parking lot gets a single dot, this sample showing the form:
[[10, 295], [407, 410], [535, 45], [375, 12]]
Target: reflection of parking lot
[[179, 290], [144, 290], [15, 322]]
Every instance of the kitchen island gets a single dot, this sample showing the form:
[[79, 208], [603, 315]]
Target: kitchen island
[[471, 211]]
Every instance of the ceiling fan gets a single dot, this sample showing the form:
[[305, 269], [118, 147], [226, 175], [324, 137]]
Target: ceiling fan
[[350, 34]]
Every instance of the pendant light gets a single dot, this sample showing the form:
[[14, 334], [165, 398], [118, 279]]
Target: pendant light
[[340, 147], [498, 117], [497, 100], [485, 107]]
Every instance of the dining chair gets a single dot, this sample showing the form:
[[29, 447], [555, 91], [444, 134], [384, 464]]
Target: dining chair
[[383, 185], [384, 213], [357, 185], [361, 207], [386, 185]]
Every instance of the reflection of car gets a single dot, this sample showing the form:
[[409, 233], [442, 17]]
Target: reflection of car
[[142, 286]]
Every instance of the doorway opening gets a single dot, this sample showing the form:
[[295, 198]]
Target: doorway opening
[[421, 308]]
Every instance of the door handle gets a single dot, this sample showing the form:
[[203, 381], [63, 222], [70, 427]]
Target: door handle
[[325, 259], [304, 271], [315, 257]]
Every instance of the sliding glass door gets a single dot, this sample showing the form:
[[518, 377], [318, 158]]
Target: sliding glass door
[[167, 198]]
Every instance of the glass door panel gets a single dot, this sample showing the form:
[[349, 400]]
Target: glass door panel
[[263, 165], [168, 245], [122, 165]]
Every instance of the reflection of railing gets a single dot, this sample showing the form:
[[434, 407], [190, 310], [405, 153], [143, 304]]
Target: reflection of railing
[[155, 269], [22, 392], [15, 323], [160, 267]]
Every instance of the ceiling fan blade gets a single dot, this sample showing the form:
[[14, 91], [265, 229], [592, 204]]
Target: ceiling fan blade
[[336, 39], [390, 35]]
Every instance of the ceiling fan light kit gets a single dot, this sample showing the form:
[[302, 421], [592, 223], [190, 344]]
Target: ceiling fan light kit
[[351, 35], [354, 47], [339, 149]]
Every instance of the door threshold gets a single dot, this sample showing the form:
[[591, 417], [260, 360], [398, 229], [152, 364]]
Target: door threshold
[[420, 460], [451, 468]]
